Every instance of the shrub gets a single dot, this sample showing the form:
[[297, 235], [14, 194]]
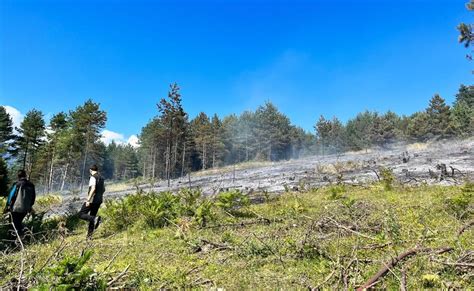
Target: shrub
[[153, 210], [157, 210], [231, 200], [204, 213], [71, 273], [335, 192], [388, 178], [461, 204], [189, 199]]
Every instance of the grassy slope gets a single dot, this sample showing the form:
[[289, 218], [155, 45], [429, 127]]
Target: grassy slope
[[300, 247]]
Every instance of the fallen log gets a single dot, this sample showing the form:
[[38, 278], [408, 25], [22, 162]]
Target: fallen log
[[389, 265]]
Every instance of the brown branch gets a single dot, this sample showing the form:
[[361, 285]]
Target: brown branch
[[403, 282], [376, 174], [118, 277], [53, 254], [462, 265], [465, 227], [112, 260], [387, 266], [22, 258], [351, 230]]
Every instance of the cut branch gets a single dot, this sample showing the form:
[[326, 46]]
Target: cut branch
[[389, 265]]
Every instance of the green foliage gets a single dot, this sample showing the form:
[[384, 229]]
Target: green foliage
[[3, 178], [232, 200], [157, 210], [30, 138], [282, 245], [387, 178], [461, 205], [151, 210], [204, 213], [336, 192], [431, 281], [6, 131], [71, 273]]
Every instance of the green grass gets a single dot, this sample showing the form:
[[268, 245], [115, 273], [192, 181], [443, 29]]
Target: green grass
[[328, 238]]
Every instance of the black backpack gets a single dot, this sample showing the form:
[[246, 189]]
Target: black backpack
[[99, 189]]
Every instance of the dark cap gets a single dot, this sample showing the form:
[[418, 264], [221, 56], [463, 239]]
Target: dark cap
[[94, 168]]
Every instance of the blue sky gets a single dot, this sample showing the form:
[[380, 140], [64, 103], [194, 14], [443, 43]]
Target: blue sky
[[329, 57]]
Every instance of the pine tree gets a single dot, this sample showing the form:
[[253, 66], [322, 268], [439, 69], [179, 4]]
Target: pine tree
[[6, 131], [466, 36], [202, 133], [246, 141], [30, 138], [440, 123], [463, 118], [466, 95], [3, 178], [57, 126], [361, 131], [418, 126], [87, 122], [217, 144], [272, 133], [323, 133], [174, 119]]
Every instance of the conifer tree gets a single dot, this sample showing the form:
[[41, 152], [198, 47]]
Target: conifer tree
[[440, 123], [30, 138], [6, 132], [87, 122]]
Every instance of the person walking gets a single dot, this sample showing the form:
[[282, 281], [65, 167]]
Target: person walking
[[92, 204], [20, 201]]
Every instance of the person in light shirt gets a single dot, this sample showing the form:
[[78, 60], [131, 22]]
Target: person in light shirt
[[94, 199]]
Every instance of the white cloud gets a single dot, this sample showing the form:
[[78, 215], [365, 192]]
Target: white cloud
[[108, 136], [133, 141], [15, 115]]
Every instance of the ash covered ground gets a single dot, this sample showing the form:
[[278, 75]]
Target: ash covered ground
[[433, 163]]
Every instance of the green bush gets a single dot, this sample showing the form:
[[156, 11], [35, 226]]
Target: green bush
[[71, 273], [231, 200], [387, 178], [156, 210], [461, 204], [335, 192], [189, 199], [152, 209], [204, 213]]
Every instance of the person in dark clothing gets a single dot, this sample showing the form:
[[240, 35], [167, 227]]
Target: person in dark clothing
[[20, 201], [92, 204]]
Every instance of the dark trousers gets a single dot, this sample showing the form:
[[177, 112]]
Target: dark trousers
[[17, 219], [89, 213]]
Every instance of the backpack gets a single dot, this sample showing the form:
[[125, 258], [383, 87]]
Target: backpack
[[24, 198], [99, 189]]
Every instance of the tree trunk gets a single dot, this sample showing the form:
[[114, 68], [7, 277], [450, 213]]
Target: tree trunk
[[153, 164], [184, 159], [204, 155], [50, 180], [84, 164], [64, 177]]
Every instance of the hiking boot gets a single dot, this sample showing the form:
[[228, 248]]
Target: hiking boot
[[97, 222]]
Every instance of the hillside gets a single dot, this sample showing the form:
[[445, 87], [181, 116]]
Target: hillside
[[335, 237]]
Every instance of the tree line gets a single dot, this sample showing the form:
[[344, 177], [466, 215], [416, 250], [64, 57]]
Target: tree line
[[171, 145]]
